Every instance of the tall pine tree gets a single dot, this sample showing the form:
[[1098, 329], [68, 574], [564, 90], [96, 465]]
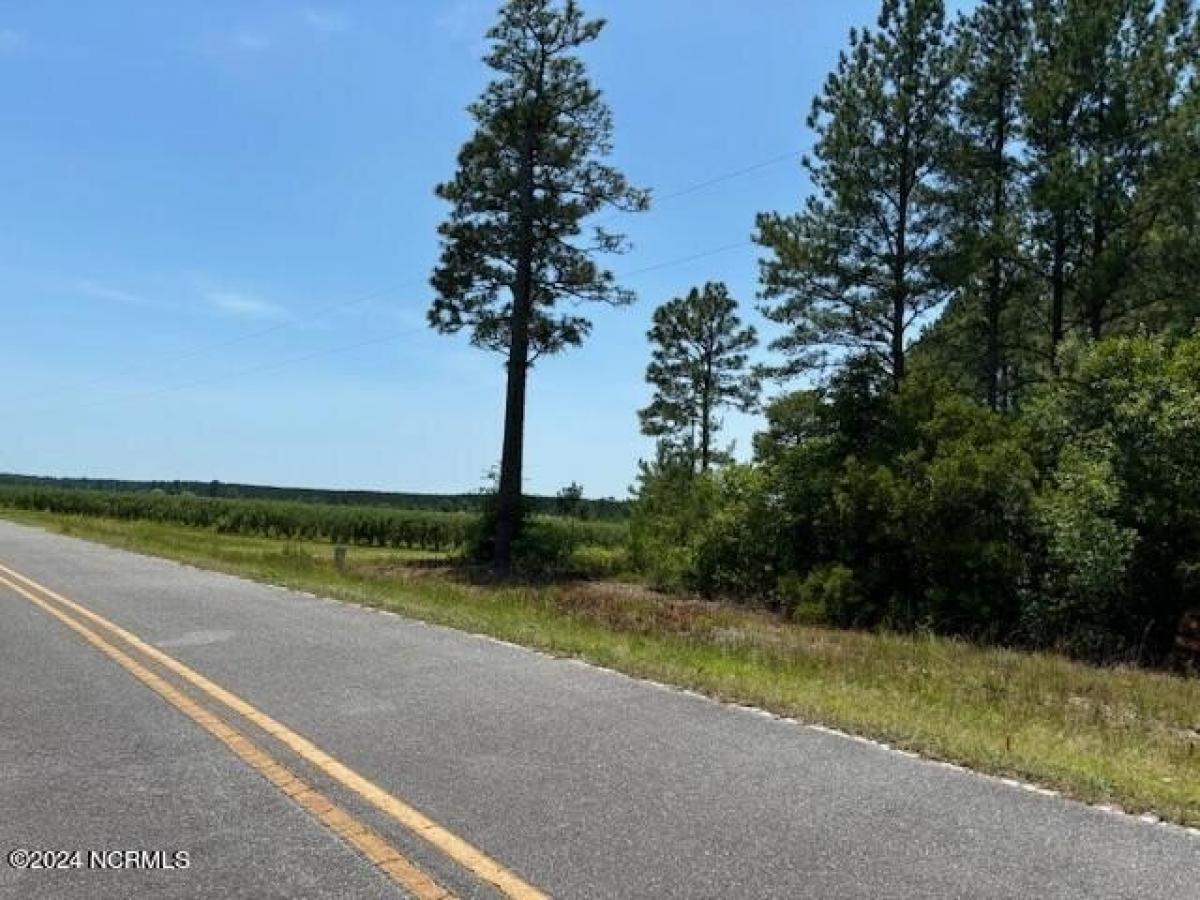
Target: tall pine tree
[[1151, 266], [1102, 98], [1052, 102], [986, 188], [527, 179], [698, 366], [858, 270], [1169, 270]]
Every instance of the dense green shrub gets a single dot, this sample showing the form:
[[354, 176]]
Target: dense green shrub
[[736, 546], [674, 506], [544, 550], [969, 517], [828, 593], [1086, 556], [1073, 524], [1119, 434], [923, 498]]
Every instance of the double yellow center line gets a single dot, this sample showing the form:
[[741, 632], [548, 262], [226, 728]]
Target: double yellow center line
[[375, 848]]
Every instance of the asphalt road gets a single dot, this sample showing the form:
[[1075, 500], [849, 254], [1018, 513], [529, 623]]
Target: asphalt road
[[575, 781]]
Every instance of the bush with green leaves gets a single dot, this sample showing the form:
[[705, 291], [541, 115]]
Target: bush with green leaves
[[909, 510], [924, 496], [970, 480], [672, 508], [1120, 507], [1085, 577], [543, 550], [735, 547], [827, 593], [1074, 524]]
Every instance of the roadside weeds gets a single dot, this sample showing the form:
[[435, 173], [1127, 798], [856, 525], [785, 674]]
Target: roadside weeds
[[1109, 736]]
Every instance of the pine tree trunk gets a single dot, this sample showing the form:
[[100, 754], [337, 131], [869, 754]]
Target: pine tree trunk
[[900, 271], [1096, 290], [899, 300], [508, 499], [1096, 302], [1058, 276], [706, 410], [995, 279], [1058, 286], [993, 337]]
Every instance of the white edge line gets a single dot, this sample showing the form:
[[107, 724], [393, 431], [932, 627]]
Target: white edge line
[[1112, 809]]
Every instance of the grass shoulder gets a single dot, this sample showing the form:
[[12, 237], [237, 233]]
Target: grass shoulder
[[1114, 735]]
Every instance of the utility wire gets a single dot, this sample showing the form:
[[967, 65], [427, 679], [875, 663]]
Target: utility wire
[[203, 350], [725, 248], [268, 367], [728, 176], [343, 348], [706, 183], [208, 349]]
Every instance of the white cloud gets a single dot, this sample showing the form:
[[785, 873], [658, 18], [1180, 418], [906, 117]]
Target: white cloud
[[90, 288], [244, 306], [251, 41], [11, 41], [193, 298], [326, 20]]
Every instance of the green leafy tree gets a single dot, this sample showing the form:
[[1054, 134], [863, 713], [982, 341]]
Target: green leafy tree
[[512, 247], [698, 367], [858, 270], [569, 500], [1160, 287], [1168, 270], [870, 506], [1087, 555], [1121, 509], [670, 508], [1043, 173]]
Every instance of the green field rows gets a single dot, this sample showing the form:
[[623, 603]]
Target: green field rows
[[352, 525]]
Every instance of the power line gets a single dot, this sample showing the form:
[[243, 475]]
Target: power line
[[343, 348], [709, 182], [208, 349], [683, 259], [268, 367], [203, 350], [729, 176]]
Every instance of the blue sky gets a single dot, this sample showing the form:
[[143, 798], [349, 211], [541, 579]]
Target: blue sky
[[218, 223]]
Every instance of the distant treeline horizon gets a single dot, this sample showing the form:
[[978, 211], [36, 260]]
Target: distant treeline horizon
[[602, 508]]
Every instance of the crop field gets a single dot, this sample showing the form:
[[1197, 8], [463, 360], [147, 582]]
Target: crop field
[[360, 526]]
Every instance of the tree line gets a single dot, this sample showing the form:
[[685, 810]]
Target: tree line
[[569, 501], [980, 395], [991, 297]]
